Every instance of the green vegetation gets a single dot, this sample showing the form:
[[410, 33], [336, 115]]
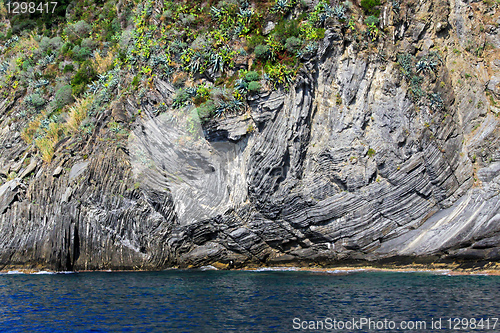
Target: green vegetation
[[415, 70], [63, 96], [71, 66], [372, 20], [254, 87], [370, 6]]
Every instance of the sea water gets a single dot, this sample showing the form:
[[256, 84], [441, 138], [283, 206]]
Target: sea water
[[247, 301]]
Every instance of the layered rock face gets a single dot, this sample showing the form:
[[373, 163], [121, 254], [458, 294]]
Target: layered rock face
[[345, 166]]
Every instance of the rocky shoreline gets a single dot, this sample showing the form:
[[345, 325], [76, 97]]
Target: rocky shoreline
[[451, 269]]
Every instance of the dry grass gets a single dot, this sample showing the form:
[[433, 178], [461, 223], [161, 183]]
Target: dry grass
[[179, 78], [46, 147], [77, 114], [3, 11], [29, 132], [103, 64], [55, 132]]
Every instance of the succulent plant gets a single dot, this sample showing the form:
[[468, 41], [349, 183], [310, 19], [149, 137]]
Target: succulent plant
[[11, 41], [435, 101], [241, 86], [311, 48], [245, 13], [40, 83], [406, 63], [4, 66], [197, 62], [183, 96], [155, 60], [48, 59], [339, 12], [395, 6], [230, 106], [217, 62], [281, 6], [216, 13]]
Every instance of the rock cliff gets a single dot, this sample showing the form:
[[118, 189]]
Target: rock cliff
[[345, 166]]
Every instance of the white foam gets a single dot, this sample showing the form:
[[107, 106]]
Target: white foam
[[208, 268], [345, 271], [275, 269], [15, 272], [36, 273]]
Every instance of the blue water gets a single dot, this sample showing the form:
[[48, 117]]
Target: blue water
[[239, 301]]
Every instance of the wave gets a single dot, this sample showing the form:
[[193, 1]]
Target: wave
[[274, 269], [15, 272], [208, 268], [344, 271]]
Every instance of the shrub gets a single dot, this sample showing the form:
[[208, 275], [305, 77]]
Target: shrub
[[275, 47], [85, 74], [68, 68], [252, 76], [80, 29], [63, 96], [261, 51], [80, 53], [44, 45], [206, 110], [56, 43], [88, 43], [287, 28], [372, 20], [254, 86], [310, 32], [371, 152], [66, 49], [35, 100], [50, 45], [292, 44], [188, 20], [183, 97], [280, 74], [254, 40], [369, 5]]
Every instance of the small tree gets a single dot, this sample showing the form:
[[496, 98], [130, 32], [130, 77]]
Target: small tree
[[64, 96], [262, 51], [292, 44], [254, 87]]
